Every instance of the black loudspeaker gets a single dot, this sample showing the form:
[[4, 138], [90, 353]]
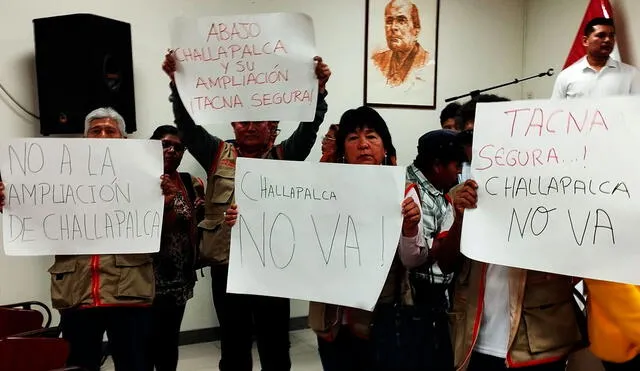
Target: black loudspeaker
[[83, 62]]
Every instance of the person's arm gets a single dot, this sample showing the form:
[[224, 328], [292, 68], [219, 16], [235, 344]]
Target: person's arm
[[412, 248], [559, 88], [198, 141], [298, 146], [446, 246], [198, 203], [621, 303]]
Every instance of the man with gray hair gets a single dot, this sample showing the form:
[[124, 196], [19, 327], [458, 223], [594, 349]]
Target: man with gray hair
[[104, 122], [105, 293]]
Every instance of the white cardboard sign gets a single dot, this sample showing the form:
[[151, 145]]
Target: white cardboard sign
[[558, 187], [252, 67], [315, 231], [81, 196]]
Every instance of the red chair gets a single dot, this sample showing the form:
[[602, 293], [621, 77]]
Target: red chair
[[15, 321], [26, 344], [32, 354], [21, 317]]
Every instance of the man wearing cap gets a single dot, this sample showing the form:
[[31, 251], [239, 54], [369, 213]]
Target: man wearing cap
[[434, 171], [505, 317]]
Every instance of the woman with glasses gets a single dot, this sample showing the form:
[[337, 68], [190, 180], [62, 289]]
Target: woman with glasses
[[174, 264]]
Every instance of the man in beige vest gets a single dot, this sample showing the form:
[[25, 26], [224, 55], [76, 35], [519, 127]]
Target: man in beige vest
[[240, 314], [105, 293]]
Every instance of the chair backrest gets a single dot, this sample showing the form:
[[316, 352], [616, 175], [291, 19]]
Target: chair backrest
[[15, 321], [32, 354]]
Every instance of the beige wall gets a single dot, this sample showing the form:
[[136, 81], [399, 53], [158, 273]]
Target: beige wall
[[475, 37], [550, 28]]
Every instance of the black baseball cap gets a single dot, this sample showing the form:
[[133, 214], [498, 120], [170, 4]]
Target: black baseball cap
[[442, 145]]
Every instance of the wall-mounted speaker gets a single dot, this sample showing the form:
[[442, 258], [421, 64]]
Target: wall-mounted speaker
[[83, 62]]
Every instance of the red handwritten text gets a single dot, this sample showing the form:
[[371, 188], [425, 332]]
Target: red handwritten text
[[216, 103], [226, 81], [494, 156], [296, 96], [536, 122], [212, 54], [235, 31], [219, 102]]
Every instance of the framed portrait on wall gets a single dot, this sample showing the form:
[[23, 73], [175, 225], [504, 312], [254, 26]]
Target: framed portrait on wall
[[401, 48]]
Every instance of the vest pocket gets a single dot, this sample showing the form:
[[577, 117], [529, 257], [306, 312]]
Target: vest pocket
[[318, 317], [223, 189], [63, 285], [549, 315], [215, 244], [136, 276]]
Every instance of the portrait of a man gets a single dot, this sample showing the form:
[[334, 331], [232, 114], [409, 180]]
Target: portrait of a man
[[400, 66]]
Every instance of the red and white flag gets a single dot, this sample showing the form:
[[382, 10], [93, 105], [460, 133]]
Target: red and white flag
[[595, 9]]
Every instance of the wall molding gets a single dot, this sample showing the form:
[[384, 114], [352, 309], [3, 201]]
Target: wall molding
[[207, 335]]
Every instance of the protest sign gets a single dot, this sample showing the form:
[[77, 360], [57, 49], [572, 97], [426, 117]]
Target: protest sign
[[557, 187], [315, 231], [81, 196], [256, 67]]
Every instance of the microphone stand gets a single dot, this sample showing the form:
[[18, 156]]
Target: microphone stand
[[475, 93]]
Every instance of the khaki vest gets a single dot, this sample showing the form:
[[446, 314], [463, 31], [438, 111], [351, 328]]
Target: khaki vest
[[102, 280], [542, 313], [220, 194], [216, 235]]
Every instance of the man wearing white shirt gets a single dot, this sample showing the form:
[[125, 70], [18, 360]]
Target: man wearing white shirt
[[597, 74]]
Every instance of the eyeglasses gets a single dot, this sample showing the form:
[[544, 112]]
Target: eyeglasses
[[178, 147]]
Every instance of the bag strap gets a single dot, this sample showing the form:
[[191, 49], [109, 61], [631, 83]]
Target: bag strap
[[188, 184], [397, 284]]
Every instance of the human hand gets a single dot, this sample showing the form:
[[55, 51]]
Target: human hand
[[411, 217], [231, 215], [322, 73], [466, 198], [169, 64], [169, 189]]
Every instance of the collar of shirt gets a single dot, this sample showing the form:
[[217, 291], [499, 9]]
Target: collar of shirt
[[416, 175], [585, 66]]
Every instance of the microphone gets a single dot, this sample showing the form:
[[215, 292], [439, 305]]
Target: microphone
[[475, 93], [543, 74]]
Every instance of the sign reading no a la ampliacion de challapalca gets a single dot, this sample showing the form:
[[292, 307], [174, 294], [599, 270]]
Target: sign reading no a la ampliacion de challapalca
[[81, 196]]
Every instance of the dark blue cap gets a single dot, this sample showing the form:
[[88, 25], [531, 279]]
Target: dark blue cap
[[442, 145]]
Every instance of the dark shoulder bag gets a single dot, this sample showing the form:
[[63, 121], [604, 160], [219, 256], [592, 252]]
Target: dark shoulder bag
[[191, 193], [407, 337]]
